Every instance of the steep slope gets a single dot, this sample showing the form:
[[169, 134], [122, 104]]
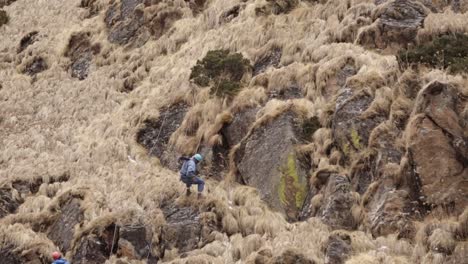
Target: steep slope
[[334, 131]]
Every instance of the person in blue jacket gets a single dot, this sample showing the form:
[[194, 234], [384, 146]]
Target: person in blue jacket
[[188, 174], [58, 258]]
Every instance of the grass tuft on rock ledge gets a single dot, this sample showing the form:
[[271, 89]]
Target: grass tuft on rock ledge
[[447, 51], [3, 17], [222, 71]]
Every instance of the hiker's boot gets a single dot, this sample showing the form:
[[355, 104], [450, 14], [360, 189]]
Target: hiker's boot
[[187, 192]]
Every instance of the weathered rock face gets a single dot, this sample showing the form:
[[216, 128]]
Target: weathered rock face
[[155, 135], [338, 200], [137, 20], [81, 52], [439, 148], [27, 40], [61, 232], [97, 249], [35, 66], [398, 23], [267, 160], [9, 256], [239, 126], [135, 243], [338, 248], [390, 213], [6, 2], [91, 5], [184, 229], [230, 14], [277, 7], [351, 132], [271, 58], [8, 204]]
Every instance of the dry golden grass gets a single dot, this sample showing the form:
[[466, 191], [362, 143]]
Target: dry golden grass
[[54, 125]]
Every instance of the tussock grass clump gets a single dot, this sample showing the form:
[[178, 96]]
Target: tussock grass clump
[[447, 51], [222, 71], [3, 17]]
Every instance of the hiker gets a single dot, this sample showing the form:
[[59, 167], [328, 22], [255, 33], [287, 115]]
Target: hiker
[[188, 174], [58, 258]]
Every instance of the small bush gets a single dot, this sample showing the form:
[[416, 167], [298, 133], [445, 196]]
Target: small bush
[[3, 17], [448, 51], [222, 71]]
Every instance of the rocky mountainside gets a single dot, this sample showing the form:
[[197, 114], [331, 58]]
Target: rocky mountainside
[[333, 131]]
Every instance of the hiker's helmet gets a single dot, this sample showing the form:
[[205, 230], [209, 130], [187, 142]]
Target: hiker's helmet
[[56, 255], [198, 157]]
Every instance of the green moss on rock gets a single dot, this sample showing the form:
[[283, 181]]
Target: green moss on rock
[[355, 139], [3, 17], [447, 51], [222, 71], [292, 191]]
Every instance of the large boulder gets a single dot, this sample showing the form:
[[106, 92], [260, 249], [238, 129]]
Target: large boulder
[[336, 208], [62, 231], [156, 133], [438, 146], [389, 212], [267, 160], [184, 229], [237, 129], [96, 248], [396, 23], [350, 130], [135, 242], [338, 248]]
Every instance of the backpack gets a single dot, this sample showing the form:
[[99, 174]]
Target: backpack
[[181, 160]]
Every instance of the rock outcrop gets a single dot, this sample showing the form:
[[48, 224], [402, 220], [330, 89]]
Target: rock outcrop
[[27, 40], [8, 203], [62, 231], [351, 131], [135, 21], [396, 23], [34, 66], [438, 146], [338, 203], [155, 135], [184, 229], [268, 161], [97, 248], [81, 53]]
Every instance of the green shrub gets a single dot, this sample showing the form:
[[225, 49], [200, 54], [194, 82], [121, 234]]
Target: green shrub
[[3, 17], [222, 71], [447, 51]]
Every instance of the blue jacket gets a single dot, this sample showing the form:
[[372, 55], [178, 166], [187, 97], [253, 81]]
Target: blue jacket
[[60, 261], [188, 170]]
